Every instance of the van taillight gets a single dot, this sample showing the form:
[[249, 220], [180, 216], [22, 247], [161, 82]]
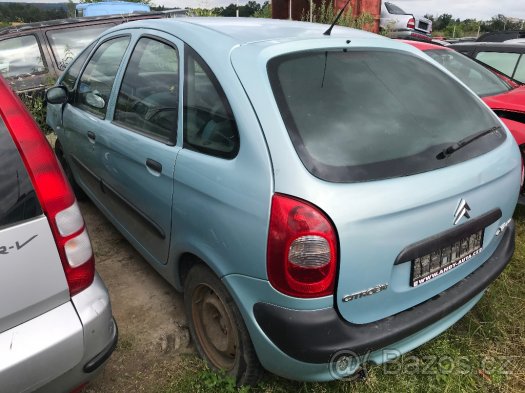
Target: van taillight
[[411, 24], [302, 249], [53, 191]]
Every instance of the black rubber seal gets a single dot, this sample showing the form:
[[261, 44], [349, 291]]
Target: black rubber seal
[[314, 336]]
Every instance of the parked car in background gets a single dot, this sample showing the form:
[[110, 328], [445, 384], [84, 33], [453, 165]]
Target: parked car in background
[[500, 36], [502, 95], [508, 59], [400, 24], [34, 55], [56, 325], [290, 185]]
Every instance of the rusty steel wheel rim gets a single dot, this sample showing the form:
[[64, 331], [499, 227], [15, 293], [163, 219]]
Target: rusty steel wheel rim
[[214, 327]]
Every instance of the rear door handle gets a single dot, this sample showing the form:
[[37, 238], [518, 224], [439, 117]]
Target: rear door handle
[[155, 166], [91, 136]]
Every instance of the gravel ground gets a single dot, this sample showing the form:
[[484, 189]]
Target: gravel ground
[[149, 313]]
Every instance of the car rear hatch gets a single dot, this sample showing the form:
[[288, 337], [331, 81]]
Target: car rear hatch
[[423, 25], [416, 184], [32, 279]]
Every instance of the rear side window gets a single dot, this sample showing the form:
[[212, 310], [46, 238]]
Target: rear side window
[[209, 125], [368, 115], [148, 101], [96, 82], [504, 62], [66, 44], [18, 199], [21, 56]]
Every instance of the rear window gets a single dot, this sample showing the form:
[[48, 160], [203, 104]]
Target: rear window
[[502, 61], [368, 115], [482, 81], [18, 199], [394, 9], [67, 43]]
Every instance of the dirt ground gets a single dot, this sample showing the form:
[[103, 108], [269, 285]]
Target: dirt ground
[[153, 334]]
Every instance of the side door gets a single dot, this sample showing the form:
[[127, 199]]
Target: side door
[[84, 116], [139, 145]]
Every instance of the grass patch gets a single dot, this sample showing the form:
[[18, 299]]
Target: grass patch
[[483, 352]]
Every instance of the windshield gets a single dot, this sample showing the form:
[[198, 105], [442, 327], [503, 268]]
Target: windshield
[[366, 115], [482, 81], [394, 9]]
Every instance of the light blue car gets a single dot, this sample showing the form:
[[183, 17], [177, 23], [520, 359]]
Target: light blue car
[[323, 201]]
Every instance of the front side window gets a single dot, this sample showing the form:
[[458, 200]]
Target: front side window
[[482, 81], [373, 114], [209, 125], [94, 87], [21, 56], [148, 101], [67, 43], [504, 62]]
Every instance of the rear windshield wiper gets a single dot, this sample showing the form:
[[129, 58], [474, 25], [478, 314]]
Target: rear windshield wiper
[[465, 141]]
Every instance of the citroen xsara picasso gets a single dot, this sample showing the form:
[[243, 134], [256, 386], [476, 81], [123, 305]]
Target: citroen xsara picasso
[[320, 199]]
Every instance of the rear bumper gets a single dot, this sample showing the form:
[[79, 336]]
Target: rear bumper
[[50, 353], [316, 336], [409, 35]]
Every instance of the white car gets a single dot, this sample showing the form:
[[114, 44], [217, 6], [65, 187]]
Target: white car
[[401, 24]]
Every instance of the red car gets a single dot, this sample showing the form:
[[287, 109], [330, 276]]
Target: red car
[[503, 95]]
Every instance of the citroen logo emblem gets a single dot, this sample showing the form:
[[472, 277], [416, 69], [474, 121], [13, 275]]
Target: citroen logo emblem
[[461, 211]]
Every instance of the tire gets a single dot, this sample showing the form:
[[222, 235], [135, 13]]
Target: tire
[[79, 193], [217, 328]]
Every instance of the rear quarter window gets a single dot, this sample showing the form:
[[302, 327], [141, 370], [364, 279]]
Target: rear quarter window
[[18, 201]]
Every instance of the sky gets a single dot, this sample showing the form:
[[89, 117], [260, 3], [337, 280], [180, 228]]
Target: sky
[[463, 9]]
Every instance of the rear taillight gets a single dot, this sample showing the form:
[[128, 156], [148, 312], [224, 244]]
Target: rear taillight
[[53, 191], [411, 24], [302, 249]]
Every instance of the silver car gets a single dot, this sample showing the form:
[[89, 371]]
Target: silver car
[[56, 325], [400, 24]]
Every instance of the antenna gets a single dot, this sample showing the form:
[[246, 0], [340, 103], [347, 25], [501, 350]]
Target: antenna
[[329, 31]]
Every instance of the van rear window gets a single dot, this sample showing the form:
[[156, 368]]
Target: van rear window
[[18, 201], [357, 115]]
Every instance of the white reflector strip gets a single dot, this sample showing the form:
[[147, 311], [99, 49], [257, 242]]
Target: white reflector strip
[[78, 249], [69, 220], [309, 252]]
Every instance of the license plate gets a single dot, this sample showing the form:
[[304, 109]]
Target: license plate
[[440, 261]]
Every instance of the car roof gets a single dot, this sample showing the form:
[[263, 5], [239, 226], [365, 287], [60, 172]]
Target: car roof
[[490, 45], [241, 31], [25, 27]]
